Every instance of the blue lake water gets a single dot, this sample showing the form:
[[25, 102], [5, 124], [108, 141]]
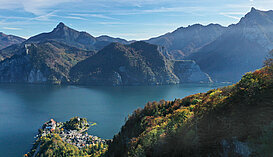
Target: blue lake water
[[24, 108]]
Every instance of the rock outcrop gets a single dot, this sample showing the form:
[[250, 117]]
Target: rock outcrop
[[188, 71]]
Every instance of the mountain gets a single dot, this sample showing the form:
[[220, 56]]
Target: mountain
[[66, 35], [105, 40], [7, 40], [43, 62], [71, 37], [49, 57], [187, 40], [231, 121], [139, 63], [240, 49], [111, 39]]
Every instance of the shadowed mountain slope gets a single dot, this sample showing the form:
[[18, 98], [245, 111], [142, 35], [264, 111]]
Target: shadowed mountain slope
[[187, 40], [240, 49], [7, 40]]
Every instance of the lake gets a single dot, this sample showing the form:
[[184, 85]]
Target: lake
[[24, 108]]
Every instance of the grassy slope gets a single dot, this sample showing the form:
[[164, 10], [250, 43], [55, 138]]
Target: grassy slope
[[200, 124]]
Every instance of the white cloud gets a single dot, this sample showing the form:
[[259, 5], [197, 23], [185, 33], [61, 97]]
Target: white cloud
[[232, 15], [12, 28], [94, 15], [74, 17], [45, 17], [113, 23], [37, 7]]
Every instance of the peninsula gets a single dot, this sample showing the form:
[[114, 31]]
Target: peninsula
[[67, 138]]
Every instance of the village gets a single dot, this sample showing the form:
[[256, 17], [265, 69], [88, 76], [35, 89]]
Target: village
[[72, 132]]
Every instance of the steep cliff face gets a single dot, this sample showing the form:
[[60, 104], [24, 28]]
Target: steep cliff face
[[188, 71], [19, 69], [47, 62], [139, 63]]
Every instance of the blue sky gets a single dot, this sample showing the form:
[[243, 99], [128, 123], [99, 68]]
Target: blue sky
[[129, 19]]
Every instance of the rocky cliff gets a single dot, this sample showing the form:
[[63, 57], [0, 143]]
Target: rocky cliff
[[188, 71]]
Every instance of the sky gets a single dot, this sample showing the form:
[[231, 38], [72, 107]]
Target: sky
[[128, 19]]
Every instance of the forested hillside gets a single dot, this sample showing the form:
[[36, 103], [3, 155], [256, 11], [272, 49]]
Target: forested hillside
[[232, 121]]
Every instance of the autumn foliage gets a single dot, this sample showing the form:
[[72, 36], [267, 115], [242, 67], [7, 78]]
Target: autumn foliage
[[200, 124]]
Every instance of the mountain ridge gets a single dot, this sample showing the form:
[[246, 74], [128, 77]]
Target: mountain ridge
[[7, 40], [72, 37], [186, 40], [240, 49]]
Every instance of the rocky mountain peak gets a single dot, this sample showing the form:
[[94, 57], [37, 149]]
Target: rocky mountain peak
[[61, 27], [253, 9], [198, 26], [254, 14]]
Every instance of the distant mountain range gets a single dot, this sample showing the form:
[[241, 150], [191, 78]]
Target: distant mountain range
[[65, 35], [225, 53], [7, 40], [242, 48], [187, 40], [71, 37], [67, 56]]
